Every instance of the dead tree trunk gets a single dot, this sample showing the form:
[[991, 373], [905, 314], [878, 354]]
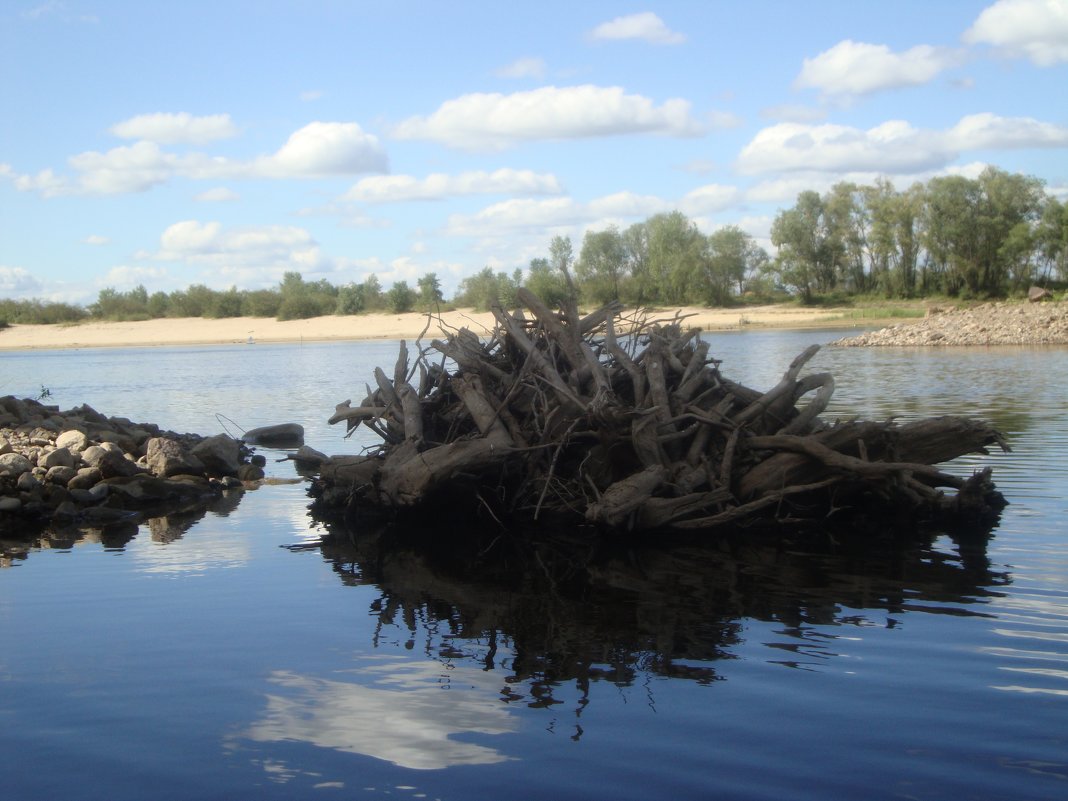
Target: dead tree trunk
[[625, 423]]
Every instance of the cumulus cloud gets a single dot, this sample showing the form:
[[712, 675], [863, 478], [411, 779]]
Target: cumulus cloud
[[127, 277], [319, 149], [218, 194], [436, 186], [17, 282], [181, 128], [708, 199], [252, 252], [645, 26], [1032, 29], [859, 68], [325, 148], [522, 68], [893, 147], [494, 121]]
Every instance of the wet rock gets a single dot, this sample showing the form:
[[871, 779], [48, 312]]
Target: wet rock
[[166, 457], [10, 504], [250, 472], [220, 454]]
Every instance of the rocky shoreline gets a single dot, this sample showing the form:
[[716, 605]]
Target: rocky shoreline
[[78, 467], [1005, 323]]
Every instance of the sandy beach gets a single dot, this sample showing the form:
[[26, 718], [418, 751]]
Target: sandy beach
[[201, 331]]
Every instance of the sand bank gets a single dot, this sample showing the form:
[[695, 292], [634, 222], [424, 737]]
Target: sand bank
[[200, 331]]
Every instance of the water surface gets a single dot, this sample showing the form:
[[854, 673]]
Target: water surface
[[232, 655]]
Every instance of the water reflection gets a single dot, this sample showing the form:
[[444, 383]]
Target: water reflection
[[555, 614], [407, 713], [162, 529]]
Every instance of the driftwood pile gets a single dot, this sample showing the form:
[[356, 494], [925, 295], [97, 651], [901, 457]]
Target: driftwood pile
[[625, 423]]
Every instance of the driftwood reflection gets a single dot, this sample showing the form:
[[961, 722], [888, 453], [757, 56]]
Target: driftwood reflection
[[552, 612]]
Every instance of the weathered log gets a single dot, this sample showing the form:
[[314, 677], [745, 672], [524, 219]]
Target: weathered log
[[626, 424]]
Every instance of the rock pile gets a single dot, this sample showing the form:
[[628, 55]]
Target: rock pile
[[79, 466], [1004, 323]]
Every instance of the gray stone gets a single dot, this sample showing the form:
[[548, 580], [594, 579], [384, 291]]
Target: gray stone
[[60, 474], [83, 497], [15, 463], [219, 454], [114, 463], [66, 511], [250, 472], [5, 446], [166, 457], [73, 440], [28, 482], [86, 478], [10, 504], [60, 457]]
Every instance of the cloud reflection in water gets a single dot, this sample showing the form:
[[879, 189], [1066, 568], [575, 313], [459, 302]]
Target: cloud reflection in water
[[409, 717]]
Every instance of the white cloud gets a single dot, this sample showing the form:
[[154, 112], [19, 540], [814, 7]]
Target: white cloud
[[96, 239], [985, 131], [395, 188], [893, 147], [181, 128], [319, 149], [310, 95], [522, 68], [218, 194], [257, 254], [17, 282], [708, 199], [1033, 29], [325, 148], [859, 68], [127, 277], [495, 121], [646, 26]]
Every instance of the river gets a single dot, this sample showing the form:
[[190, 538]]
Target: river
[[233, 656]]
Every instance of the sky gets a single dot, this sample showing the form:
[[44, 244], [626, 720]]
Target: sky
[[226, 143]]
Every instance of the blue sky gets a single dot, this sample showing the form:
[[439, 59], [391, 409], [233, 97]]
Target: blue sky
[[225, 143]]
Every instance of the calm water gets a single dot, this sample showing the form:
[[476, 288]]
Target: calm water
[[233, 657]]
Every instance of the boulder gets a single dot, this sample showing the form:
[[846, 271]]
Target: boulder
[[283, 435], [60, 474], [5, 446], [10, 504], [166, 457], [73, 440], [219, 454], [250, 472], [86, 478], [15, 463], [60, 457], [28, 483]]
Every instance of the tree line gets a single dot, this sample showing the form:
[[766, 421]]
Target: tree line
[[986, 237]]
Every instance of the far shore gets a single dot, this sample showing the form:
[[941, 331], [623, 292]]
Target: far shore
[[234, 330]]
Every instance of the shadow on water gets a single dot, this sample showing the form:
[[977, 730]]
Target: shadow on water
[[554, 611]]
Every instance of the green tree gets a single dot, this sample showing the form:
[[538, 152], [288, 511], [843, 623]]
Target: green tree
[[401, 297], [547, 283], [601, 267], [350, 299], [676, 257], [430, 291]]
